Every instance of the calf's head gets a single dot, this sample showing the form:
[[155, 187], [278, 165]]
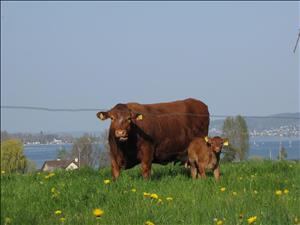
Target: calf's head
[[122, 119], [216, 143]]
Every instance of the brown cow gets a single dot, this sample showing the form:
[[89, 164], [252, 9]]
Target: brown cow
[[153, 133], [204, 153]]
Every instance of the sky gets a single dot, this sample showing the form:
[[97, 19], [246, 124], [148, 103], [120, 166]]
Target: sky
[[237, 57]]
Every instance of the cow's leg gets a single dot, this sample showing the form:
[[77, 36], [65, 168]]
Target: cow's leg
[[194, 170], [115, 169], [201, 169], [217, 173], [146, 156], [146, 169]]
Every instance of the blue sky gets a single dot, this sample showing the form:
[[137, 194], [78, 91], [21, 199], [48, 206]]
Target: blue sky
[[237, 57]]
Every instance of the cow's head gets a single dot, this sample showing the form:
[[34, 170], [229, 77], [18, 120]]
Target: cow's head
[[122, 119], [216, 143]]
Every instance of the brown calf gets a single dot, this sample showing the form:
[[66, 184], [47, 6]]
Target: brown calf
[[204, 153]]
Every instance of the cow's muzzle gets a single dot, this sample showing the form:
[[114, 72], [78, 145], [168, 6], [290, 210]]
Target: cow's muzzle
[[122, 135]]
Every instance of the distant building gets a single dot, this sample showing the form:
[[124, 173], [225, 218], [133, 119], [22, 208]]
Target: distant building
[[60, 164]]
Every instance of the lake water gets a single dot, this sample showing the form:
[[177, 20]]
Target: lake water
[[266, 147]]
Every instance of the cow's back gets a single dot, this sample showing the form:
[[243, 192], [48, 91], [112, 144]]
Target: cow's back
[[172, 126]]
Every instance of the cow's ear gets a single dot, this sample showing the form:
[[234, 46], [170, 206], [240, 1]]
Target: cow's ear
[[226, 142], [137, 116], [102, 115]]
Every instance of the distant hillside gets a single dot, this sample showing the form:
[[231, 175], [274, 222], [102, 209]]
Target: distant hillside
[[270, 122]]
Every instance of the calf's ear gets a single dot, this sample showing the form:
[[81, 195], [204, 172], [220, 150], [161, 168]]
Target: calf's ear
[[226, 142], [206, 139], [102, 115]]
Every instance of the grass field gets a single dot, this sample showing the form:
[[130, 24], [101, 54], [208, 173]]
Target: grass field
[[267, 191]]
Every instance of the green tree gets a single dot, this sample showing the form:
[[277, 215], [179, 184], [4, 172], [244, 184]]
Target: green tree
[[104, 158], [86, 151], [63, 154], [236, 130], [12, 157], [282, 154]]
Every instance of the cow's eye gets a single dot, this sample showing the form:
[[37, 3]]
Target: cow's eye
[[112, 118]]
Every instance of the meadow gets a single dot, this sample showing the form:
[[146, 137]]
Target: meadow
[[251, 192]]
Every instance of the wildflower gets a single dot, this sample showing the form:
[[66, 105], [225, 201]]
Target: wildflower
[[240, 178], [98, 212], [62, 219], [234, 193], [159, 200], [223, 189], [7, 220], [148, 222], [285, 191], [219, 222], [154, 196], [169, 199], [255, 192], [58, 212], [133, 190], [106, 181], [278, 192], [251, 219], [41, 182], [296, 221], [53, 190], [2, 171], [146, 194]]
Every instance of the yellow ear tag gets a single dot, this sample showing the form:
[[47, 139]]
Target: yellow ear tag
[[206, 139], [226, 143], [139, 117]]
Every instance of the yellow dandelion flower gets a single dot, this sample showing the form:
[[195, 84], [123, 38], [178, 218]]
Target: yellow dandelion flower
[[154, 196], [219, 222], [148, 222], [251, 219], [7, 220], [169, 199], [159, 200], [278, 192], [133, 190], [62, 219], [234, 193], [146, 194], [58, 212], [223, 189], [98, 212], [285, 191], [106, 181], [51, 174]]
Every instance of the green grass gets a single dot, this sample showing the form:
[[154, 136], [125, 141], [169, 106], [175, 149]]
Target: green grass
[[28, 199]]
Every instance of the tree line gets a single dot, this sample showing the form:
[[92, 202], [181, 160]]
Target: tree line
[[93, 151]]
